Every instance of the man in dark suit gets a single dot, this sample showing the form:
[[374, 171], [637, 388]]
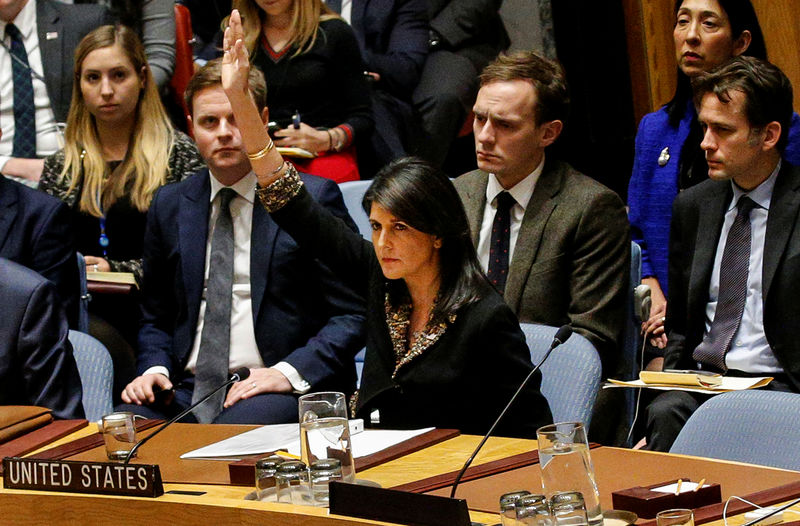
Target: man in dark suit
[[554, 242], [288, 319], [36, 231], [465, 35], [39, 39], [393, 38], [733, 279], [36, 362]]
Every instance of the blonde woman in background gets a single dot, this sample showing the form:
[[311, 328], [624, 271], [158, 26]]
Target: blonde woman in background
[[316, 89], [119, 149]]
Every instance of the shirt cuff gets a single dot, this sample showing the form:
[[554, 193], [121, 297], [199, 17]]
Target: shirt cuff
[[3, 161], [299, 384], [157, 369]]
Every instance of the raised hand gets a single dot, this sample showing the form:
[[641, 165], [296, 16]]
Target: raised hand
[[236, 60]]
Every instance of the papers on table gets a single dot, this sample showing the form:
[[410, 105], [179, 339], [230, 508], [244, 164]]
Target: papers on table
[[729, 383], [287, 437]]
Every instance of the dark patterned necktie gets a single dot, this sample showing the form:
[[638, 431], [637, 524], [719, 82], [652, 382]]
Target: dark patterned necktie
[[500, 241], [24, 144], [733, 275], [214, 355]]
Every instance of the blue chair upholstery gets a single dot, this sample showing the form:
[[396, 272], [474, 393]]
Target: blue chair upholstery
[[83, 301], [353, 192], [97, 374], [631, 337], [757, 427], [570, 376]]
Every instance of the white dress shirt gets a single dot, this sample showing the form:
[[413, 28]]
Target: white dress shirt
[[750, 351], [47, 131], [244, 350], [521, 192]]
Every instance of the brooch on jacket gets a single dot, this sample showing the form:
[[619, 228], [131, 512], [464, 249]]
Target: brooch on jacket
[[663, 157]]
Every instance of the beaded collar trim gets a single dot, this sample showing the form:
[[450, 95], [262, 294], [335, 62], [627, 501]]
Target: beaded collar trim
[[398, 321]]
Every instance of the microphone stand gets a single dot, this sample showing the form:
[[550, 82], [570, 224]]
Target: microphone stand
[[237, 376], [561, 336]]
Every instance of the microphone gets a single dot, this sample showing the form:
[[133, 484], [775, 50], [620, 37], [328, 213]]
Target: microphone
[[642, 302], [561, 336], [240, 374]]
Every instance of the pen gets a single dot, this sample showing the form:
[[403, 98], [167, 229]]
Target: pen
[[678, 487], [296, 120], [700, 484]]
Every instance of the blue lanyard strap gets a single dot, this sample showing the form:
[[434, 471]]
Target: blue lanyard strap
[[103, 240]]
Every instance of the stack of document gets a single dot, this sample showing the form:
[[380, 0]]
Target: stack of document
[[694, 381]]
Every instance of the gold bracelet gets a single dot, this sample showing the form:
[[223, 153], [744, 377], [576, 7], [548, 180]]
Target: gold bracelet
[[263, 152], [279, 168]]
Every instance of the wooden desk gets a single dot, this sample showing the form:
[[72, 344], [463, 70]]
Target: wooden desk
[[224, 505], [617, 469]]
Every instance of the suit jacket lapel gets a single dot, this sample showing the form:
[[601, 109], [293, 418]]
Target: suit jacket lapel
[[357, 10], [262, 243], [193, 215], [9, 203], [782, 216], [52, 50], [474, 203], [529, 238], [711, 216]]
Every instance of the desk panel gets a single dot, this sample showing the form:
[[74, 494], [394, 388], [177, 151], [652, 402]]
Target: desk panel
[[618, 469]]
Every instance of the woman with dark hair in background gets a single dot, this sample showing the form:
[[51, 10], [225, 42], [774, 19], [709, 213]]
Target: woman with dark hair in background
[[316, 89], [443, 349], [668, 156]]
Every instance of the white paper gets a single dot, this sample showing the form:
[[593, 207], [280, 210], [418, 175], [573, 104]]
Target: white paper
[[253, 442], [373, 440], [686, 487], [287, 436], [729, 383]]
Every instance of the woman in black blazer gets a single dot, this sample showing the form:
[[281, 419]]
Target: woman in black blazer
[[443, 349]]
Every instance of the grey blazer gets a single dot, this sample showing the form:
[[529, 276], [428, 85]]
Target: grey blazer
[[61, 27], [571, 263]]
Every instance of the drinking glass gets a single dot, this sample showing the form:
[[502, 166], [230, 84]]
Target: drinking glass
[[567, 466], [324, 431], [119, 434], [675, 517]]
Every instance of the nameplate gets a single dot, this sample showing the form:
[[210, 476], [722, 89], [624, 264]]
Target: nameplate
[[104, 478]]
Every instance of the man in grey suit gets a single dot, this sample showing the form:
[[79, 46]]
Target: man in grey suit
[[39, 38], [555, 242]]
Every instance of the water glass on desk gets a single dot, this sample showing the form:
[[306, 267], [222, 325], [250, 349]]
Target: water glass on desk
[[324, 431], [291, 483], [119, 434], [675, 517], [567, 466]]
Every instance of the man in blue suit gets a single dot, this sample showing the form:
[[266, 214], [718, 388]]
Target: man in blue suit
[[291, 322], [36, 362], [393, 37], [36, 232]]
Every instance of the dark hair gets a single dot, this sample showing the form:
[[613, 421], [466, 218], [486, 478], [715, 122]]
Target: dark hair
[[742, 17], [210, 76], [767, 91], [547, 77], [422, 196]]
